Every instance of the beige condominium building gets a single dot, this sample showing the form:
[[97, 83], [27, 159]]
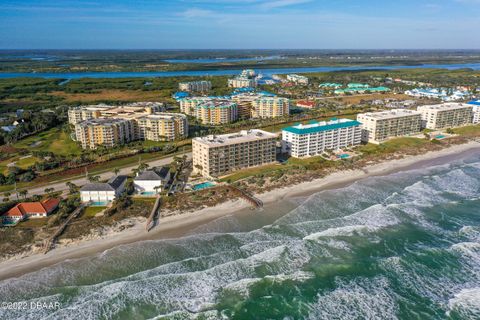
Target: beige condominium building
[[446, 115], [215, 156], [87, 112], [380, 126], [106, 132], [217, 112], [188, 105], [119, 125], [244, 103], [242, 82], [270, 107], [163, 127], [195, 86]]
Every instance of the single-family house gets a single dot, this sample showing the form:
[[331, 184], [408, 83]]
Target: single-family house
[[101, 194], [151, 182], [26, 210]]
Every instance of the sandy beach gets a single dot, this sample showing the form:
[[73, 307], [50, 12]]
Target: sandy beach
[[178, 225]]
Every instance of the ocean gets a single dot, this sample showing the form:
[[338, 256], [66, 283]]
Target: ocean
[[401, 246]]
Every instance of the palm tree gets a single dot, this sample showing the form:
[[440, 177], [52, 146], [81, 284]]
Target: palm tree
[[116, 171], [23, 193], [93, 178], [72, 187]]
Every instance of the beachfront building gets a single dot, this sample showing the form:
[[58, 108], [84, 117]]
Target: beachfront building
[[242, 82], [216, 112], [162, 127], [151, 182], [446, 115], [298, 79], [88, 112], [101, 194], [214, 156], [380, 126], [307, 140], [195, 86], [270, 107], [24, 210], [475, 110]]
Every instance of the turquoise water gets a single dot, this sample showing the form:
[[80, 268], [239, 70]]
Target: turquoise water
[[267, 71], [440, 136], [344, 156], [204, 185], [403, 246], [99, 204]]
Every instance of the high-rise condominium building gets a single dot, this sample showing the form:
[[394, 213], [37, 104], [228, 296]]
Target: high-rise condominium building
[[87, 112], [195, 86], [104, 132], [446, 115], [217, 112], [380, 126], [113, 126], [214, 156], [476, 111], [270, 107], [244, 103], [188, 105], [306, 140]]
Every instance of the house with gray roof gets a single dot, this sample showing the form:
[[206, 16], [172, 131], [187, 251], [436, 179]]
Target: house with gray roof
[[151, 182], [101, 194]]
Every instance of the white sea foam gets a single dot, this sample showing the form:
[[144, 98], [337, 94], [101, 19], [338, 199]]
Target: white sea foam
[[466, 304]]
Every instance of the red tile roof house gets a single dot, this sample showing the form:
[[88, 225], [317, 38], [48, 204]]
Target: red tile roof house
[[306, 104], [25, 210]]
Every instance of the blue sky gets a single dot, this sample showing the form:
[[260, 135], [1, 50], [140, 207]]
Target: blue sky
[[234, 24]]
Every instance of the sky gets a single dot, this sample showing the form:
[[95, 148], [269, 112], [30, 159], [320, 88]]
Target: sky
[[240, 24]]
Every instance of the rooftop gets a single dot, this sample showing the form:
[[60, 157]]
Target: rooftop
[[445, 106], [390, 114], [314, 127], [113, 184], [235, 138]]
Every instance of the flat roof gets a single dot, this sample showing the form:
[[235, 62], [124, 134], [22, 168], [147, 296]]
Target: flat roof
[[445, 106], [390, 114], [322, 126], [235, 138]]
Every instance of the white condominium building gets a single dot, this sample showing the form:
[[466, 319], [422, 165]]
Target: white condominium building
[[476, 111], [380, 126], [298, 79], [270, 107], [195, 86], [242, 82], [214, 156], [306, 140], [446, 115]]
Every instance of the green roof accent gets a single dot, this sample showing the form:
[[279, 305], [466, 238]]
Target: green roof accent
[[326, 127]]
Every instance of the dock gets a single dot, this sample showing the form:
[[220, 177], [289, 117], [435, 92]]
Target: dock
[[255, 202], [153, 215], [49, 243]]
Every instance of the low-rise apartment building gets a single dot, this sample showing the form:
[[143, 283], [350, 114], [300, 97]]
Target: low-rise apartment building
[[298, 79], [307, 140], [446, 115], [195, 86], [214, 156], [270, 107], [217, 112], [380, 126]]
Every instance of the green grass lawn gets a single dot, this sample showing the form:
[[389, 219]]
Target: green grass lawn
[[392, 145], [469, 131], [33, 223], [91, 212], [54, 140], [19, 162]]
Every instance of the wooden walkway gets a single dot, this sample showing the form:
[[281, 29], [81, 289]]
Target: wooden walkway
[[49, 243], [153, 217], [255, 202]]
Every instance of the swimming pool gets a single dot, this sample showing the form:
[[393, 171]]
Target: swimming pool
[[148, 193], [440, 136], [343, 156], [204, 185], [99, 204]]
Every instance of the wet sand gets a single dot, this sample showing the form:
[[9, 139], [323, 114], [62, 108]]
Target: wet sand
[[277, 203]]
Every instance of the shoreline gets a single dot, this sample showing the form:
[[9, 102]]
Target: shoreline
[[178, 225]]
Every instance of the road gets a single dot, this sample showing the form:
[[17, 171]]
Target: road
[[61, 186]]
